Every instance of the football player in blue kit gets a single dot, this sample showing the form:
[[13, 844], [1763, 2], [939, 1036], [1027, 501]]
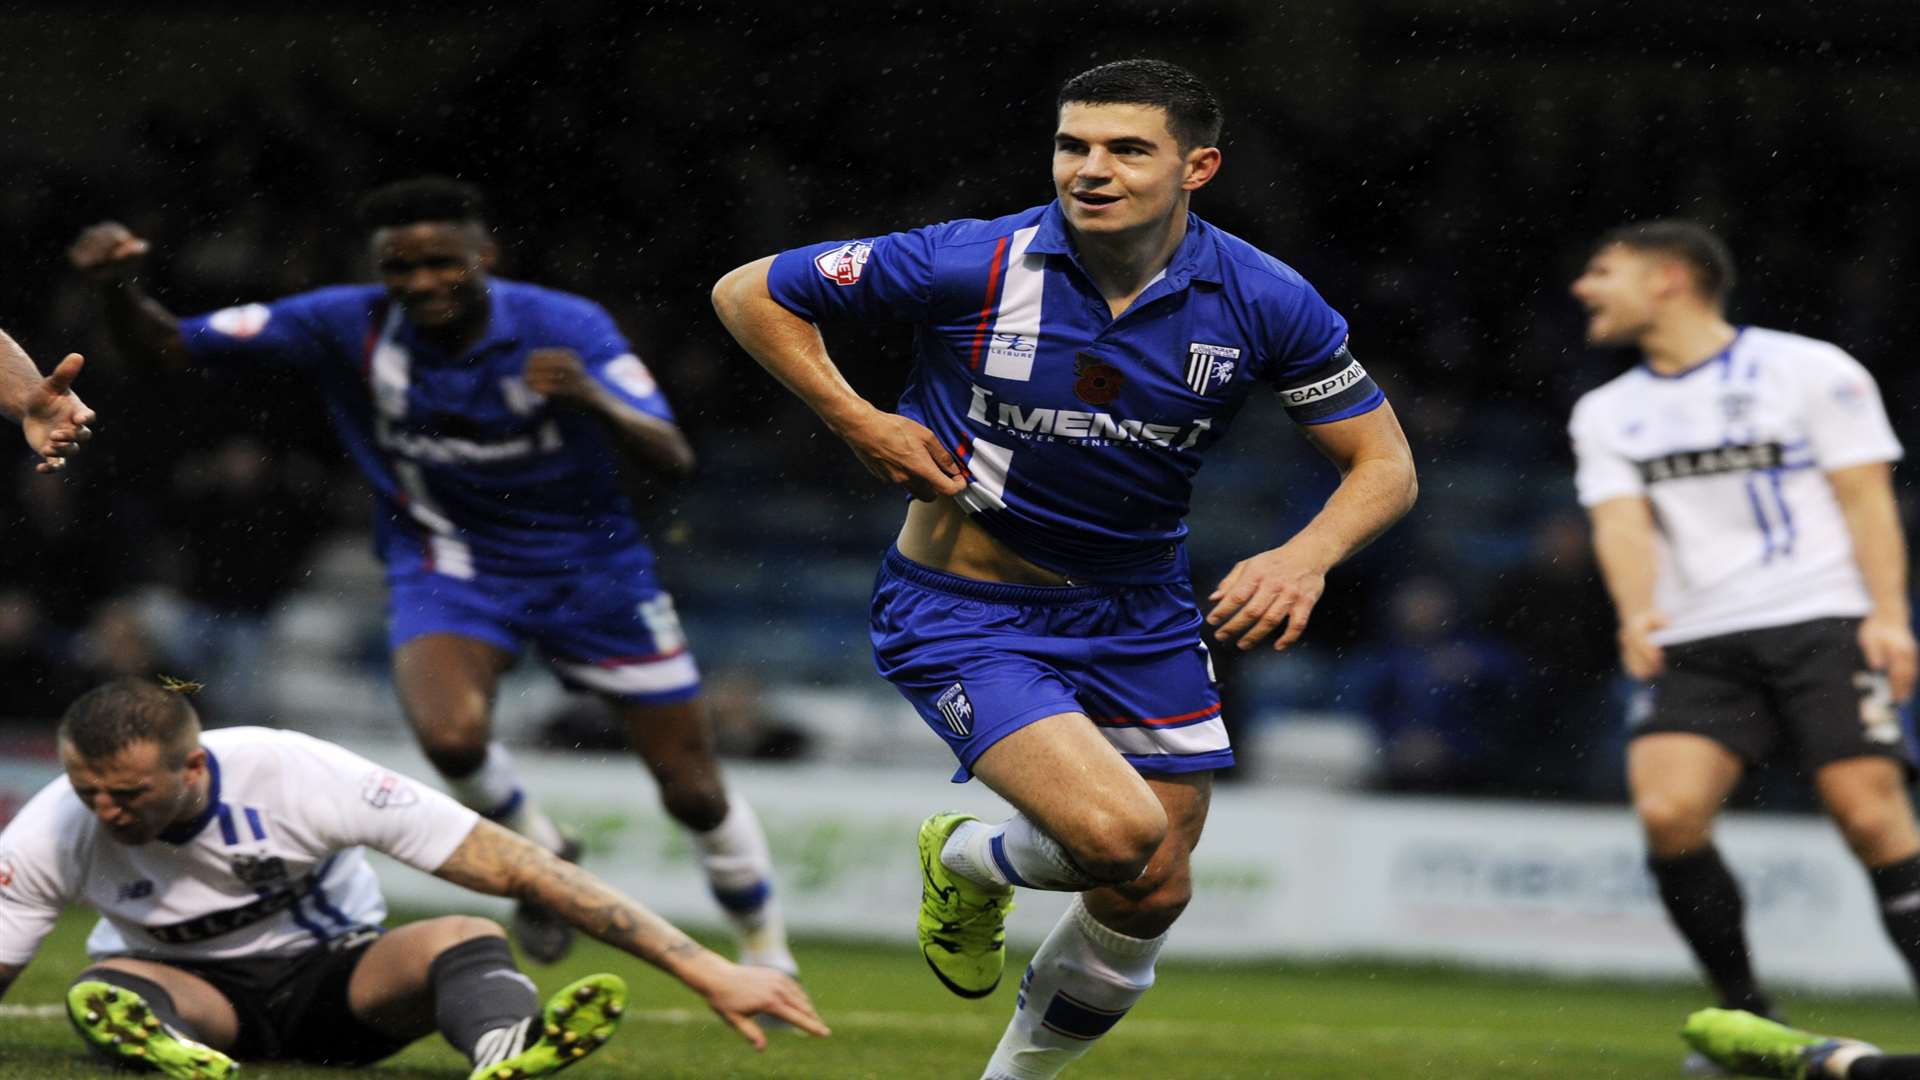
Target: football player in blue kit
[[490, 417], [1073, 363]]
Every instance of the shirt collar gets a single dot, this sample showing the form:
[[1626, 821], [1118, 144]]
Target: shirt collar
[[183, 832], [1196, 259]]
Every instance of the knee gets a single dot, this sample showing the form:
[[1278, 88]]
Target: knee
[[1673, 826], [455, 743], [700, 808], [1873, 830], [1117, 845], [452, 930]]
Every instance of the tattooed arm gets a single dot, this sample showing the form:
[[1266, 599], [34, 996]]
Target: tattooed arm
[[501, 863]]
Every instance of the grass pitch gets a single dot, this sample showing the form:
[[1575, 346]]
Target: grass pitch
[[891, 1020]]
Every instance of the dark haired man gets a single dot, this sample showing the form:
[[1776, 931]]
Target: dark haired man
[[1073, 364], [488, 415], [49, 413], [239, 917], [1739, 482]]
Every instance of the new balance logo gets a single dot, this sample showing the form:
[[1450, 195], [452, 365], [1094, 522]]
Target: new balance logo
[[956, 710]]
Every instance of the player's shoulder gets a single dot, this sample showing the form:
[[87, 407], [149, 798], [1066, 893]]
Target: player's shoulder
[[338, 301], [962, 233], [1613, 396], [550, 313], [1786, 348], [1253, 271], [253, 747], [52, 821]]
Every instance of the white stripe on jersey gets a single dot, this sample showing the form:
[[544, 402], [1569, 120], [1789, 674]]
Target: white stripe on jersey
[[988, 467], [391, 369], [647, 677], [1018, 322]]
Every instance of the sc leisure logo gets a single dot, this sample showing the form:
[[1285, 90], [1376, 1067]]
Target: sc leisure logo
[[843, 265]]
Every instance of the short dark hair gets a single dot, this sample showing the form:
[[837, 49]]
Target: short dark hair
[[1193, 113], [1690, 242], [423, 198], [111, 717]]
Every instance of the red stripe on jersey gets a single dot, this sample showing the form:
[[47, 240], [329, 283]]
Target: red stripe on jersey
[[993, 299], [1155, 721]]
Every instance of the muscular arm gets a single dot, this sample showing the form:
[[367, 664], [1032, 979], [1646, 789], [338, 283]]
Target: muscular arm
[[495, 861], [1623, 531], [1865, 494], [109, 254], [1281, 586], [892, 447]]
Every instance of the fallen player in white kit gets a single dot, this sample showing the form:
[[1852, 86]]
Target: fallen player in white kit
[[240, 918]]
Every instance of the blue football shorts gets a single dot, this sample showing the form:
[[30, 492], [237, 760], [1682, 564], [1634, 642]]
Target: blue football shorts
[[612, 632], [981, 659]]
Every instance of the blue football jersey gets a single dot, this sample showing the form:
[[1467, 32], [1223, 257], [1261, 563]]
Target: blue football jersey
[[474, 472], [1081, 432]]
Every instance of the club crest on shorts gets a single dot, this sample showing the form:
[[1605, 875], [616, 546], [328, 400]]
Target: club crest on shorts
[[956, 709], [1210, 367]]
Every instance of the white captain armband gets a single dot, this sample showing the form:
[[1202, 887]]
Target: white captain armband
[[1334, 390]]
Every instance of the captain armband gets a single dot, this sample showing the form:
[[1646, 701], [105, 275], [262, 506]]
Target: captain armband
[[1335, 390]]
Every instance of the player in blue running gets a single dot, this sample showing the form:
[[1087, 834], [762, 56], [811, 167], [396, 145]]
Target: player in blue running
[[490, 417], [1073, 364], [49, 413]]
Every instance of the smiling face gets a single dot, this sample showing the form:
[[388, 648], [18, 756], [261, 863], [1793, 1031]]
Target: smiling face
[[436, 271], [140, 791], [1624, 290], [1117, 169]]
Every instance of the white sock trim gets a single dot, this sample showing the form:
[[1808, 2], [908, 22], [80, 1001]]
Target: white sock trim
[[1107, 938]]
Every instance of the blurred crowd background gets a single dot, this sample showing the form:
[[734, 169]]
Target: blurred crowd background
[[1438, 170]]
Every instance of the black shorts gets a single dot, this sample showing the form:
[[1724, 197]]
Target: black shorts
[[1803, 688], [294, 1008]]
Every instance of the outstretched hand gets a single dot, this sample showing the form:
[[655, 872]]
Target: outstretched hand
[[747, 992], [1262, 594], [902, 451], [54, 418], [107, 253]]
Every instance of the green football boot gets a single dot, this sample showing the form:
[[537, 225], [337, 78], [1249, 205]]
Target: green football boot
[[1756, 1046], [576, 1022], [963, 927], [120, 1023]]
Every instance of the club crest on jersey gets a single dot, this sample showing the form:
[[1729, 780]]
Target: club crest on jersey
[[256, 871], [956, 710], [382, 789], [1210, 367], [843, 264], [1099, 382], [241, 322]]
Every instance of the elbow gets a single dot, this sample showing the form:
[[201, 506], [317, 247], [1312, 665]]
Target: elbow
[[729, 292], [1410, 493]]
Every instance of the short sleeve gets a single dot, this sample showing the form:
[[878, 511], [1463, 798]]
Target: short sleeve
[[1846, 420], [888, 278], [36, 880], [1600, 471], [1316, 374], [284, 332], [378, 808], [614, 365]]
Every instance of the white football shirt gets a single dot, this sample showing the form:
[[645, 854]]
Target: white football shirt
[[1733, 455], [273, 867]]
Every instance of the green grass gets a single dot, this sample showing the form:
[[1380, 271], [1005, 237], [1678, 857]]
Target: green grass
[[892, 1021]]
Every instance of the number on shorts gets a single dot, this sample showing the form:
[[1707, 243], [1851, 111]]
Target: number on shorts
[[1877, 713]]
